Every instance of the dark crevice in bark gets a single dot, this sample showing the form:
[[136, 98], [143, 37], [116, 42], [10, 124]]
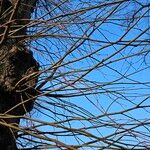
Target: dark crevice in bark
[[18, 71]]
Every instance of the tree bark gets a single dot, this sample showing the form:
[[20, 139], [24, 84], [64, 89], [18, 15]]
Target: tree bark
[[16, 64]]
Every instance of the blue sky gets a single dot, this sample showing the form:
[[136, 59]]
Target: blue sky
[[118, 80]]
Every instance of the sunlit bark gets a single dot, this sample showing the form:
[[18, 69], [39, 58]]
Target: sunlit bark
[[16, 64]]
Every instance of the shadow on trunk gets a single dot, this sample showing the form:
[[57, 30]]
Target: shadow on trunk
[[18, 69]]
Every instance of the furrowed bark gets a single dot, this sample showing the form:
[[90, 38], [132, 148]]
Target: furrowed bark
[[18, 68]]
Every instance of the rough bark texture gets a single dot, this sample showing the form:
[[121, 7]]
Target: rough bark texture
[[17, 70]]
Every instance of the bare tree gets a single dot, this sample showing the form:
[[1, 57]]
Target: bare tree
[[17, 89], [87, 84]]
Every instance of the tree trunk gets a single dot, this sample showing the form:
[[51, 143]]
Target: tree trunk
[[18, 68]]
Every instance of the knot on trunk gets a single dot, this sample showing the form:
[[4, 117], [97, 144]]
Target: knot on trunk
[[18, 79]]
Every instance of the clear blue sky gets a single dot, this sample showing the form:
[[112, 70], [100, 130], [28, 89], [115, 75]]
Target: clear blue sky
[[123, 77]]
